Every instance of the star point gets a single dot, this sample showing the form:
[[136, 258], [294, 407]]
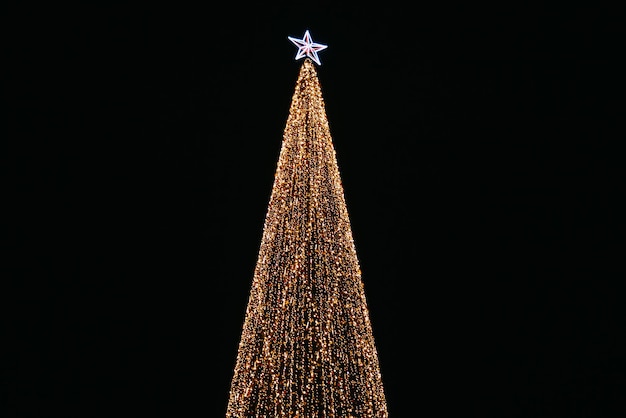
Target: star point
[[306, 47]]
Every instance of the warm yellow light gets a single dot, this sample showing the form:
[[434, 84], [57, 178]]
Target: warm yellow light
[[307, 348]]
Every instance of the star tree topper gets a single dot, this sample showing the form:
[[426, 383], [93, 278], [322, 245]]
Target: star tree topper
[[307, 47]]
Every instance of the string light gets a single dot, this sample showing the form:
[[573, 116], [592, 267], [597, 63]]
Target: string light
[[307, 348]]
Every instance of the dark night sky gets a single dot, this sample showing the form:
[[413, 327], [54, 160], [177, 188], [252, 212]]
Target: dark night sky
[[478, 152]]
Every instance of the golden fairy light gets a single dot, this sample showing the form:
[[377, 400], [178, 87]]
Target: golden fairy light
[[307, 348]]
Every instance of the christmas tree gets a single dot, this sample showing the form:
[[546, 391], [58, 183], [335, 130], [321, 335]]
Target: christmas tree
[[307, 348]]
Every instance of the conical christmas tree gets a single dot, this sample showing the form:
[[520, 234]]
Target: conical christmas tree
[[307, 348]]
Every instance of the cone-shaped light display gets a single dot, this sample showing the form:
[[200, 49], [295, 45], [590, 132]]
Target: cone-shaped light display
[[307, 348]]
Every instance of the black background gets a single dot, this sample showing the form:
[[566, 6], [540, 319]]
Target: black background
[[478, 147]]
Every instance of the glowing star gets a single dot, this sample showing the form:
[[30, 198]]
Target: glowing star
[[307, 47]]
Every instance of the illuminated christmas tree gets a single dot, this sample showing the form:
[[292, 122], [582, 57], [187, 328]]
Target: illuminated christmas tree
[[307, 348]]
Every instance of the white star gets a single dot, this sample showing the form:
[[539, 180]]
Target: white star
[[307, 47]]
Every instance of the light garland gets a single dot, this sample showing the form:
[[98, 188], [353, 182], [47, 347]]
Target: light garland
[[307, 348]]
